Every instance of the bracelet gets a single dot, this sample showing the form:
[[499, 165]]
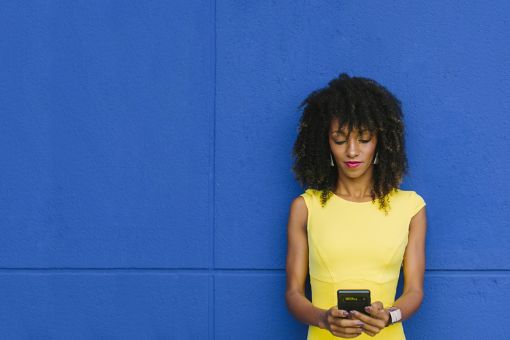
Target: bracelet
[[395, 315]]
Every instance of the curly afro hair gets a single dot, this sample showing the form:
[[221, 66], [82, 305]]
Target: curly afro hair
[[362, 104]]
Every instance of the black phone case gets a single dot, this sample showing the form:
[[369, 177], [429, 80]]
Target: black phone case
[[353, 299]]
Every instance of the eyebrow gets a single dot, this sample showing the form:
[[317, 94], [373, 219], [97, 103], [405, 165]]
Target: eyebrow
[[339, 132]]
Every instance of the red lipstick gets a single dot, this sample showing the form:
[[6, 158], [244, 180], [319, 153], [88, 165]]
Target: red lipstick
[[352, 164]]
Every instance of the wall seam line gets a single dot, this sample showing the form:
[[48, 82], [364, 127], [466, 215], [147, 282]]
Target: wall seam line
[[212, 278]]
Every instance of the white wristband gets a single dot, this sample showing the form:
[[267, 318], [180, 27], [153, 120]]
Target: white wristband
[[395, 315]]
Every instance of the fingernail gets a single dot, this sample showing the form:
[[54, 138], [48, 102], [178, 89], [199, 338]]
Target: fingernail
[[353, 312], [360, 323], [368, 308]]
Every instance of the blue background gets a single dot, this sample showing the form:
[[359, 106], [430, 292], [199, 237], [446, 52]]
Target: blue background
[[145, 148]]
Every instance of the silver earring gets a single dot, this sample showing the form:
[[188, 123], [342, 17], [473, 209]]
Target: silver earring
[[331, 157], [375, 160]]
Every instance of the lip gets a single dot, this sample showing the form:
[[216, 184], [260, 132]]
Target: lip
[[352, 164]]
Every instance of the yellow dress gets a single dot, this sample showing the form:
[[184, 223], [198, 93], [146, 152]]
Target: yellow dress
[[354, 245]]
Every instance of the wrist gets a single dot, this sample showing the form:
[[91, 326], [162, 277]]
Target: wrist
[[388, 322], [322, 319]]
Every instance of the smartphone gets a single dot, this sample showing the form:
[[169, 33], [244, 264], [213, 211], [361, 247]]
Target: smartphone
[[353, 299]]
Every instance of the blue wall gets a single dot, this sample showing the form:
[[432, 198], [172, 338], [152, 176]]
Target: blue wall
[[146, 150]]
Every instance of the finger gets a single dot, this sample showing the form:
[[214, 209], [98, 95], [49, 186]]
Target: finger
[[368, 319], [350, 323], [347, 330], [378, 324], [374, 308], [377, 313], [371, 310], [369, 333], [338, 313], [371, 329]]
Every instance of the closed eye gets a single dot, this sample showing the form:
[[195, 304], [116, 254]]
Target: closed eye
[[361, 140]]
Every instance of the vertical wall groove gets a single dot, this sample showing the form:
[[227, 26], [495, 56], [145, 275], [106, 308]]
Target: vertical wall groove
[[212, 190]]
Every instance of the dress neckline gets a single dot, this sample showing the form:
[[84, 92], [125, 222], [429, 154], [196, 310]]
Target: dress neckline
[[345, 200]]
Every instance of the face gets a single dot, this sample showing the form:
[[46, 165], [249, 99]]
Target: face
[[357, 148]]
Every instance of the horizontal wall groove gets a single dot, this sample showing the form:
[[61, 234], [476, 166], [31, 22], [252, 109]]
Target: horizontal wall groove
[[220, 271]]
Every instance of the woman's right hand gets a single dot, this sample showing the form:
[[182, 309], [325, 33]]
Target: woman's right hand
[[337, 321]]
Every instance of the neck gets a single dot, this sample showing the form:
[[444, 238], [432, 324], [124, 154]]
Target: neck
[[358, 187]]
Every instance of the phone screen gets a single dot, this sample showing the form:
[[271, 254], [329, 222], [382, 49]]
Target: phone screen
[[353, 299]]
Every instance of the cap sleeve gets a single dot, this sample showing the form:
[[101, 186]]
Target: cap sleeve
[[308, 195], [417, 202]]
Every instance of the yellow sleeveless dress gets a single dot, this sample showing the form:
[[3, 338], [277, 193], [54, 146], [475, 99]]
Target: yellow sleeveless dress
[[354, 245]]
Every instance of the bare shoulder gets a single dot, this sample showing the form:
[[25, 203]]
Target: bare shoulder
[[298, 214], [298, 203]]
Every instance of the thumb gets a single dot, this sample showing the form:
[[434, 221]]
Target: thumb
[[377, 305], [338, 312], [379, 314], [375, 309]]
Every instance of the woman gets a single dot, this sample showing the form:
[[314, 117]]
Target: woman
[[353, 228]]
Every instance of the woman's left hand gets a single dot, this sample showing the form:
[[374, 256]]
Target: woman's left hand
[[376, 321]]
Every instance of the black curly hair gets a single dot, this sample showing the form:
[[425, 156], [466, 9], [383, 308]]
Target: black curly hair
[[362, 104]]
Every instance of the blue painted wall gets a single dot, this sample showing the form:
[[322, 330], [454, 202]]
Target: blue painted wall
[[146, 150]]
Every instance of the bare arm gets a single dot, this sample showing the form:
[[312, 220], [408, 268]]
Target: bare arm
[[414, 266], [297, 267]]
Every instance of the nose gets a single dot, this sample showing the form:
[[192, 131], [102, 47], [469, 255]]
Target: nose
[[352, 148]]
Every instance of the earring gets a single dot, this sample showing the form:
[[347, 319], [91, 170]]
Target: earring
[[375, 160], [331, 158]]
